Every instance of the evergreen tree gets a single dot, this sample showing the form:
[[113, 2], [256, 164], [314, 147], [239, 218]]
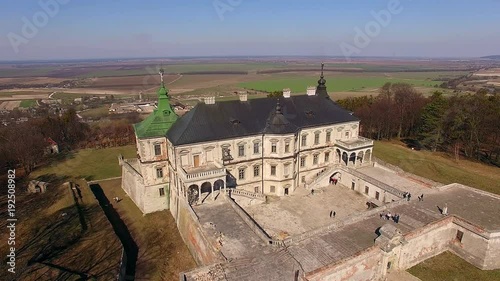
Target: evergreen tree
[[432, 125]]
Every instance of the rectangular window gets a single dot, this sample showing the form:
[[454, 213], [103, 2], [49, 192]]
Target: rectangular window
[[327, 157], [346, 135], [460, 236], [316, 138], [159, 173], [328, 136], [273, 147], [273, 189], [304, 140], [287, 147], [315, 159], [241, 174], [256, 189], [157, 149], [377, 195], [241, 150], [353, 186], [256, 148], [256, 171], [302, 161], [367, 189], [162, 192], [273, 170], [303, 179]]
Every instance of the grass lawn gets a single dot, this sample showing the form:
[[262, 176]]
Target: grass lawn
[[28, 103], [449, 267], [91, 164], [439, 167]]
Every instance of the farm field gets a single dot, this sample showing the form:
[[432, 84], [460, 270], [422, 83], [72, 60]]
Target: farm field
[[27, 103]]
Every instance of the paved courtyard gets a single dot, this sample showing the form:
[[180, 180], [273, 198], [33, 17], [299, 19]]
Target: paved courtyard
[[303, 211]]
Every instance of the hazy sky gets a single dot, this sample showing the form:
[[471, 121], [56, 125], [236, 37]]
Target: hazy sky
[[150, 28]]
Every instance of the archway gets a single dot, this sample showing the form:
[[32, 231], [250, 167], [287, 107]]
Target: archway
[[334, 178], [352, 158], [360, 157], [193, 194], [338, 156], [345, 158], [218, 185], [368, 155], [206, 190]]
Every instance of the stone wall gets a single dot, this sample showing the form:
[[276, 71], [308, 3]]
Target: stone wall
[[365, 265], [204, 250], [132, 184]]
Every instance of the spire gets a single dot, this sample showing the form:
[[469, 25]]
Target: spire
[[322, 80], [321, 88]]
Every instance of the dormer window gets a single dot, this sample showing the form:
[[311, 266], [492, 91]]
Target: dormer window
[[235, 122], [309, 114]]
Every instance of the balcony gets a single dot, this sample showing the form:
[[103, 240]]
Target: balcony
[[353, 144], [202, 173]]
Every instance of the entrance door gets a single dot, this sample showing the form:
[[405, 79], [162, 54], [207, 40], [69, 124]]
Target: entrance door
[[353, 186], [286, 190], [196, 160]]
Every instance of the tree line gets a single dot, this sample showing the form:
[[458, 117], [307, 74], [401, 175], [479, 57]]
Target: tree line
[[25, 144], [464, 125]]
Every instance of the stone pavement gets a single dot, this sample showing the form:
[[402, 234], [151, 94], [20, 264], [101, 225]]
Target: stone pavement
[[401, 276]]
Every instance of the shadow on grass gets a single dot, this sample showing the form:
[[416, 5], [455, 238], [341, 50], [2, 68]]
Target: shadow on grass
[[121, 230]]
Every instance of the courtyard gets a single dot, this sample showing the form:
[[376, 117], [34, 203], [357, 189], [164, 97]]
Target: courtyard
[[304, 211]]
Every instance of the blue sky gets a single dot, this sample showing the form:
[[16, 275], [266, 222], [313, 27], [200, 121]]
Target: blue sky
[[127, 28]]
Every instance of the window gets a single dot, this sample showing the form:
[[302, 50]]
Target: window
[[273, 147], [241, 174], [316, 138], [159, 173], [303, 179], [377, 195], [157, 149], [273, 170], [287, 147], [353, 185], [302, 161], [367, 189], [273, 189], [162, 191], [327, 157], [460, 236], [328, 136], [315, 159], [241, 150], [286, 169], [256, 189], [256, 171], [346, 135], [304, 140], [256, 148]]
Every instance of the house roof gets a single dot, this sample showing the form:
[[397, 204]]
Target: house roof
[[231, 119]]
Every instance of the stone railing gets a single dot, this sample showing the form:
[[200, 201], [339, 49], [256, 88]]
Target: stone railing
[[202, 175], [379, 184], [247, 194], [361, 142], [396, 169], [254, 226], [321, 175]]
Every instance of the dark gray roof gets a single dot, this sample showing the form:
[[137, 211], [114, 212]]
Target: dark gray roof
[[231, 119]]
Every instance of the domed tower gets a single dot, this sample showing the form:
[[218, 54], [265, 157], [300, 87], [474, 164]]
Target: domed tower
[[321, 88], [146, 179]]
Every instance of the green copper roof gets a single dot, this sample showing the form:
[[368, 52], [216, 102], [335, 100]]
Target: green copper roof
[[159, 122]]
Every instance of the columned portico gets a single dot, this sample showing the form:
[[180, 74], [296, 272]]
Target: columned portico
[[201, 183], [354, 152]]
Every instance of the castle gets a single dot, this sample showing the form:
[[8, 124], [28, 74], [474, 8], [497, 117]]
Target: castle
[[248, 181]]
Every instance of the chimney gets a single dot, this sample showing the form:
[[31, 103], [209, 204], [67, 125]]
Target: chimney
[[287, 92], [311, 91], [243, 97], [210, 100]]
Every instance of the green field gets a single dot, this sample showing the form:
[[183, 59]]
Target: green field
[[449, 267], [336, 83], [27, 103], [96, 112], [92, 164], [439, 167]]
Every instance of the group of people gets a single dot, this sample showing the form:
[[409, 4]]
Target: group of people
[[333, 214], [389, 216], [407, 196], [333, 181]]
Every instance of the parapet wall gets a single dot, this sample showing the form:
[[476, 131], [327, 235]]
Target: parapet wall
[[203, 250], [132, 183]]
